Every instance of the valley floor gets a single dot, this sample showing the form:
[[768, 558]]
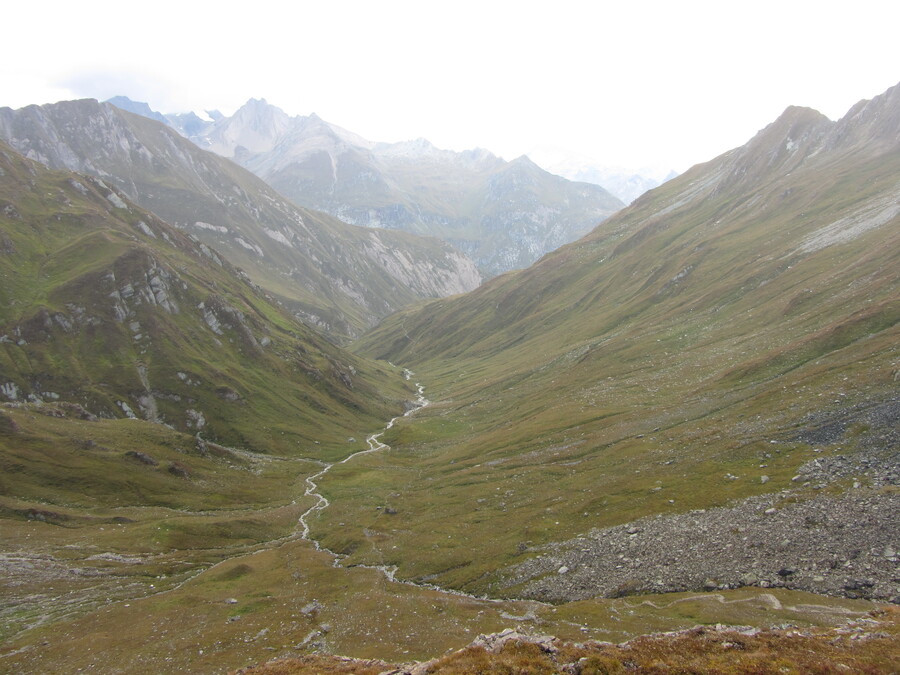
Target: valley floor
[[113, 612]]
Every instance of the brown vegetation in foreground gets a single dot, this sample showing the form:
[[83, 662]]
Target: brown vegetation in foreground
[[870, 645]]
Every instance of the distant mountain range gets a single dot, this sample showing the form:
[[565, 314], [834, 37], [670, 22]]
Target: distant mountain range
[[335, 276], [503, 215], [626, 184]]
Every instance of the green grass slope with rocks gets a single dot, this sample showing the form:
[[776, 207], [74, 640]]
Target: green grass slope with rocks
[[731, 336], [105, 306], [158, 412]]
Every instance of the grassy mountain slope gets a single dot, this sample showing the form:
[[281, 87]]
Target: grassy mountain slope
[[158, 413], [335, 276], [698, 347], [106, 306]]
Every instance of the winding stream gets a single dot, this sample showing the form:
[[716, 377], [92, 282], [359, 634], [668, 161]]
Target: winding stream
[[389, 572], [375, 445]]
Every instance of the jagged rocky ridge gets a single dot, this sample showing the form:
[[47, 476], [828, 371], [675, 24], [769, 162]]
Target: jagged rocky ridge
[[337, 277]]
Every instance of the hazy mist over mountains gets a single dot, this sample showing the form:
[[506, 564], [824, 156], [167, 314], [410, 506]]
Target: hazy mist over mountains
[[503, 215], [625, 184], [270, 390]]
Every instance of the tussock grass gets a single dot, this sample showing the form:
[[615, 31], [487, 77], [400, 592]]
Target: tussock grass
[[870, 646]]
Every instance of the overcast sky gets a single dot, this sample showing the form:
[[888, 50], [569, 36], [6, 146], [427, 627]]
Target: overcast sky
[[666, 84]]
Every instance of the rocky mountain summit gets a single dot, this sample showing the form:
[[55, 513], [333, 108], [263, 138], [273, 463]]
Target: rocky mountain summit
[[503, 215]]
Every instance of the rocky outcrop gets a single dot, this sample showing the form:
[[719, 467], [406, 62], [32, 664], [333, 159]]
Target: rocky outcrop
[[865, 644], [429, 278]]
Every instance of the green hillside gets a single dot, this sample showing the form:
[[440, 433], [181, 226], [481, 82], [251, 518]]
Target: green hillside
[[698, 347], [158, 413], [106, 306]]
